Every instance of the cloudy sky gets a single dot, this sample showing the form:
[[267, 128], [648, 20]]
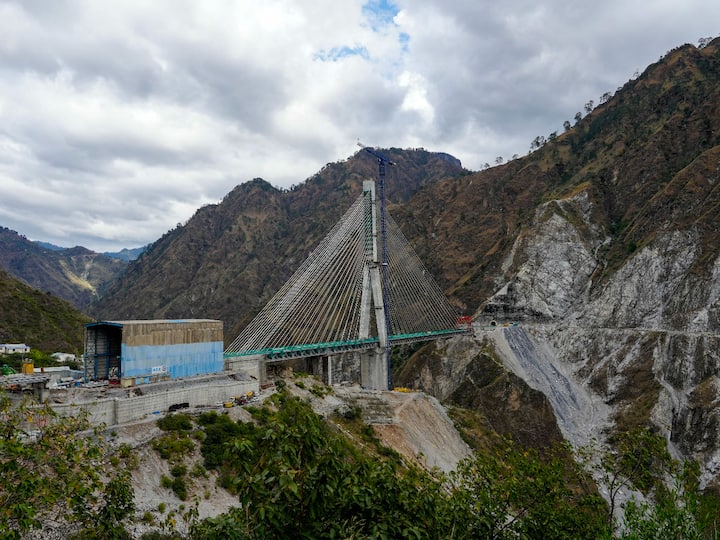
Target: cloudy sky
[[118, 119]]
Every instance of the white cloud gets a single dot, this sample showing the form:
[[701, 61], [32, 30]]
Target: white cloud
[[119, 119]]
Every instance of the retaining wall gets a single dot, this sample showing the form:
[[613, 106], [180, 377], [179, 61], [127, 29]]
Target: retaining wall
[[120, 410]]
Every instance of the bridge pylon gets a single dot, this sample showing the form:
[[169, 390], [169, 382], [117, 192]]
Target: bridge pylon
[[374, 367]]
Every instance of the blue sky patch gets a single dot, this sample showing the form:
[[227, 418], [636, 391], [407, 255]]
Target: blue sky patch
[[379, 13], [404, 39], [336, 53]]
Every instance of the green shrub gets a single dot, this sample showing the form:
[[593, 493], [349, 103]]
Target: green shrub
[[180, 488], [320, 390], [352, 413], [175, 422], [178, 470], [217, 434], [172, 445], [208, 418], [198, 471]]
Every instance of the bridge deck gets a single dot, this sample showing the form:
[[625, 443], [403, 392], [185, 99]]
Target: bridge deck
[[337, 347]]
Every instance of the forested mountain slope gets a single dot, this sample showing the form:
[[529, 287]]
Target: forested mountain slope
[[38, 319]]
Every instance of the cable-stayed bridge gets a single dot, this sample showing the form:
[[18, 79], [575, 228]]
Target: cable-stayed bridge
[[345, 298]]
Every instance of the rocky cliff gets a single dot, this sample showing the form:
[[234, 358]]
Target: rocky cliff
[[641, 340]]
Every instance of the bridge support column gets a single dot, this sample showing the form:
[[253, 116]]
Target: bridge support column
[[373, 369]]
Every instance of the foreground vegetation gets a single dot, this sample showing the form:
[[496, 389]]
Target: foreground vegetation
[[298, 476], [54, 470]]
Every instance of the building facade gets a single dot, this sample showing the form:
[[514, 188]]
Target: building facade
[[14, 348], [130, 353]]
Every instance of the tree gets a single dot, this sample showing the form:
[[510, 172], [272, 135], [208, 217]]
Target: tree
[[605, 97], [703, 42], [566, 125], [499, 160], [639, 460], [52, 470], [674, 515], [537, 142], [589, 106], [297, 478], [511, 492], [578, 117]]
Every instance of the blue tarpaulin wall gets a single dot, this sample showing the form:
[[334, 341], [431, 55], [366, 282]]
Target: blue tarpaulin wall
[[174, 361]]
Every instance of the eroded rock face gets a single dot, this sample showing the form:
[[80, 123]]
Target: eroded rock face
[[642, 337], [465, 372], [550, 264]]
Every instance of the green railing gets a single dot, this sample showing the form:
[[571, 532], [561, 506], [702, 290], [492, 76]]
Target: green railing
[[335, 347]]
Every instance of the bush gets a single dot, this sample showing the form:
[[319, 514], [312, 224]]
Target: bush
[[198, 471], [320, 390], [175, 422], [178, 470], [180, 488], [217, 434], [171, 446]]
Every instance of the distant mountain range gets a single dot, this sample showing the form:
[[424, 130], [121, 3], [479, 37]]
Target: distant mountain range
[[74, 274], [124, 254]]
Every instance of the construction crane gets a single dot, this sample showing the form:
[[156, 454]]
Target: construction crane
[[382, 163]]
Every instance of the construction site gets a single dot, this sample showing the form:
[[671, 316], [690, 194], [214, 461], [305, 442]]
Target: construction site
[[136, 369]]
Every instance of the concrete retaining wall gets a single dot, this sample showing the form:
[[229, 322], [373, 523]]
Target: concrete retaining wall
[[113, 411]]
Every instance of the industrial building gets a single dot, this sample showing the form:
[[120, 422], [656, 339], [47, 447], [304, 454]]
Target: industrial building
[[131, 353]]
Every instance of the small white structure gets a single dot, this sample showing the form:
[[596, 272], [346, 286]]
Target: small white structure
[[63, 357], [14, 348]]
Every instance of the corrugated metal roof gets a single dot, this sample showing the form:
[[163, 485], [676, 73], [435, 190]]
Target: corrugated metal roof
[[151, 321]]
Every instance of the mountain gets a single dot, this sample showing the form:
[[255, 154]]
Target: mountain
[[38, 319], [643, 162], [602, 244], [48, 245], [74, 274], [126, 254], [231, 257]]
